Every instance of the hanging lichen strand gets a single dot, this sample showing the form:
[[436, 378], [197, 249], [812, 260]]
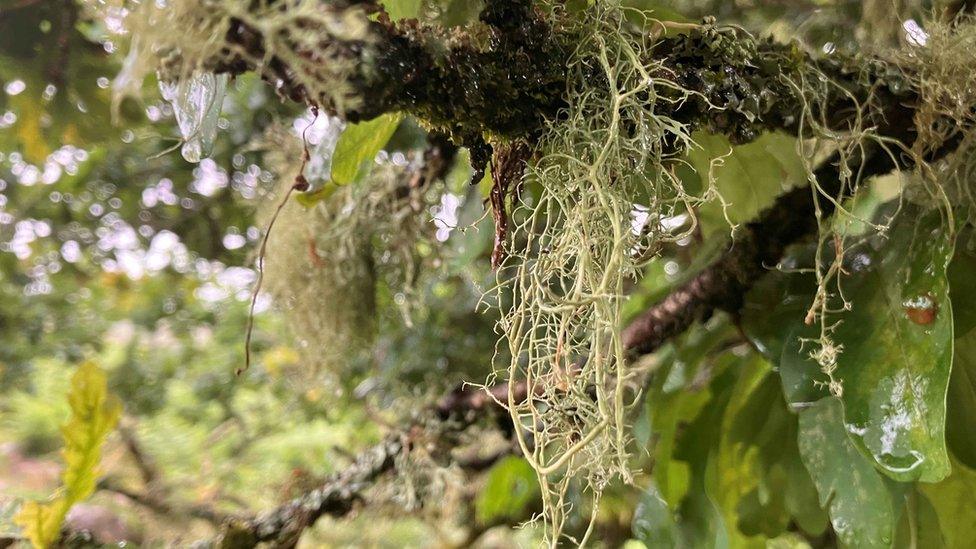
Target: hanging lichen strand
[[574, 247], [317, 46]]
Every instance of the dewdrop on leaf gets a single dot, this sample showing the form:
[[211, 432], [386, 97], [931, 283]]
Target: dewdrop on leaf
[[196, 104]]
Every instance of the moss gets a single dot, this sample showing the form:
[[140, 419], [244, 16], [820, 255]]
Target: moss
[[504, 81]]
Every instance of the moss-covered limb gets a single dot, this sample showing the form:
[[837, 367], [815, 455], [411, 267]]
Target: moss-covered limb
[[506, 76], [282, 526], [337, 496]]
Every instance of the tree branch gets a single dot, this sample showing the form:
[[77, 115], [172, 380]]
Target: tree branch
[[507, 76]]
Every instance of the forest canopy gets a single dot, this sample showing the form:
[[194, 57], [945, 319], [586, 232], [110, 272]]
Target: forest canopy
[[426, 273]]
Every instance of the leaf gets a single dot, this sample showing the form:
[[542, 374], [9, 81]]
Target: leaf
[[963, 286], [897, 344], [961, 401], [919, 525], [94, 414], [952, 500], [673, 404], [510, 488], [358, 146], [855, 495], [762, 480], [402, 9], [654, 524], [748, 177], [738, 467], [702, 522]]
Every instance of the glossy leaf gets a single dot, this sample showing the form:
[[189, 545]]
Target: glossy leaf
[[897, 345], [654, 524], [855, 495], [358, 146]]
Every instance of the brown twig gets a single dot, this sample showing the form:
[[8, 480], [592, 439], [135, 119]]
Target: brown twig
[[162, 505], [507, 166]]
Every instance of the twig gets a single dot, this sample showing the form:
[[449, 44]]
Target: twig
[[162, 505]]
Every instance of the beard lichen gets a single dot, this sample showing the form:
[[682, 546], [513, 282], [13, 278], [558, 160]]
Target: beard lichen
[[338, 266], [575, 248], [318, 46], [940, 61]]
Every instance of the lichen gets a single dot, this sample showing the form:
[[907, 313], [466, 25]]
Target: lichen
[[318, 47], [328, 264], [574, 248]]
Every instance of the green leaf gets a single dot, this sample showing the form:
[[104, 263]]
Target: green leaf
[[358, 146], [702, 522], [855, 495], [961, 401], [94, 414], [952, 500], [510, 488], [919, 525], [738, 464], [672, 402], [762, 480], [962, 285], [897, 344], [654, 524], [402, 9], [748, 177]]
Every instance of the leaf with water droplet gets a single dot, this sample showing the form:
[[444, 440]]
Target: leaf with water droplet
[[654, 524], [895, 364], [196, 104], [859, 504]]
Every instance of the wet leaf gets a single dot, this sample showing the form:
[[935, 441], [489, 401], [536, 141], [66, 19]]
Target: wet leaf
[[897, 345], [358, 146], [855, 495], [654, 524]]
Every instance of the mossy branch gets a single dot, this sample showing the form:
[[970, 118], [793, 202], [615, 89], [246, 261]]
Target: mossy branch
[[505, 76]]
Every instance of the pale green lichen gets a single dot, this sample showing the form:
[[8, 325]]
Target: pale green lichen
[[180, 38], [327, 263], [575, 250]]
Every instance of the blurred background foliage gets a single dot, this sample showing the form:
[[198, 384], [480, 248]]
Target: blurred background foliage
[[115, 249]]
